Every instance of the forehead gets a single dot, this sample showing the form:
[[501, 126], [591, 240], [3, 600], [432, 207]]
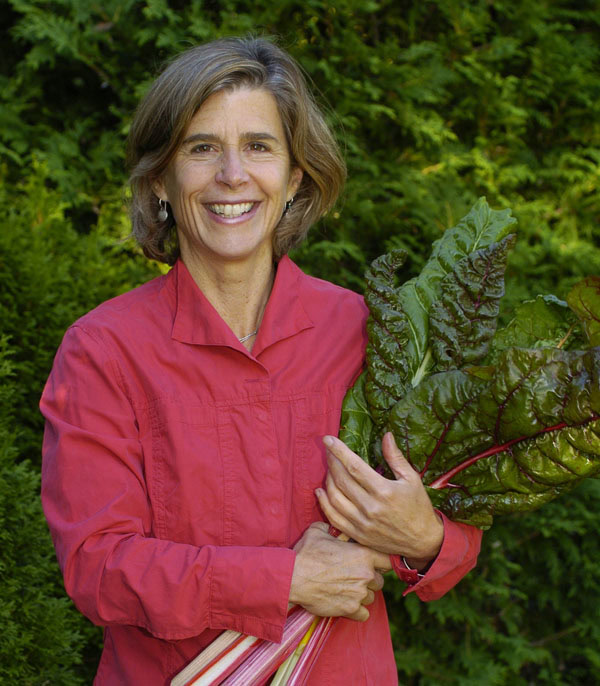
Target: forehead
[[237, 111]]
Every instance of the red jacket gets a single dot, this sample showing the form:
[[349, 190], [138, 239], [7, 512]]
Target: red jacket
[[179, 469]]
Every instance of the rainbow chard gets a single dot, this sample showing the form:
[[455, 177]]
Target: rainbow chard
[[494, 420]]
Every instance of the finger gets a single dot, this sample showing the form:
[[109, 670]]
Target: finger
[[361, 615], [393, 456], [347, 500], [381, 561], [369, 597], [356, 468], [343, 479], [377, 583], [334, 517]]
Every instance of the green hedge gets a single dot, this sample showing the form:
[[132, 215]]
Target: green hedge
[[49, 276], [436, 103]]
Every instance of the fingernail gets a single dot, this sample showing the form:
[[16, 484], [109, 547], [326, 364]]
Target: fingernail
[[328, 440], [318, 492]]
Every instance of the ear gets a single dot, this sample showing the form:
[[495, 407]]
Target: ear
[[159, 189], [295, 181]]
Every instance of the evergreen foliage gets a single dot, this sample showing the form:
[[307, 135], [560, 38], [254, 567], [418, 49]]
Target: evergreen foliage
[[436, 103], [527, 615], [49, 276]]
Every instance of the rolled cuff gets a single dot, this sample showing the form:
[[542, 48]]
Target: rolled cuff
[[457, 556], [249, 590]]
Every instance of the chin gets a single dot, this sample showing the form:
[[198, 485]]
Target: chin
[[238, 253]]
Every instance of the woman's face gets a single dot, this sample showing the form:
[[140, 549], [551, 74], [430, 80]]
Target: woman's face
[[230, 180]]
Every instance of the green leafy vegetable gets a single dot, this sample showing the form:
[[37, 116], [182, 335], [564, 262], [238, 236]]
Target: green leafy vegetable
[[584, 300], [494, 421]]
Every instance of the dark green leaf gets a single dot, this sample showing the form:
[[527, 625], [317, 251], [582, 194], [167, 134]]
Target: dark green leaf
[[387, 327], [464, 319], [540, 323], [584, 300], [509, 443], [481, 227], [398, 354], [356, 424]]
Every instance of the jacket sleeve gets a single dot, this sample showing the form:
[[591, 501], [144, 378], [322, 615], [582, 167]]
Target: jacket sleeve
[[99, 511], [457, 556]]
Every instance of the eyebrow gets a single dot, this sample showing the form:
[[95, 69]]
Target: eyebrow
[[247, 136]]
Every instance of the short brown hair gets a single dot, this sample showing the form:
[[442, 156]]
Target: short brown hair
[[164, 114]]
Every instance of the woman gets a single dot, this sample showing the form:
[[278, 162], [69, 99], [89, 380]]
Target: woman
[[184, 473]]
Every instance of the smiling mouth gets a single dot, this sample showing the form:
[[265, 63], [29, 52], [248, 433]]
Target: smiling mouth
[[236, 210]]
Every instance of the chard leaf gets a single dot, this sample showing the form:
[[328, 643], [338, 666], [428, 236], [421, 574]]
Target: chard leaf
[[494, 421], [435, 424], [485, 372], [543, 322], [511, 442], [481, 227], [356, 424], [398, 353], [464, 319], [479, 510], [387, 329], [584, 300]]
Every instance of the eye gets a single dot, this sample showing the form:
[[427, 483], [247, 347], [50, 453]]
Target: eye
[[258, 147], [203, 148]]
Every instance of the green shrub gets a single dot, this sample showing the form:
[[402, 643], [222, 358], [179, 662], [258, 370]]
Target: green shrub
[[527, 614], [42, 638], [436, 103], [49, 275]]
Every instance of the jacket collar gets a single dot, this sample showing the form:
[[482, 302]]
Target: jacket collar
[[196, 321]]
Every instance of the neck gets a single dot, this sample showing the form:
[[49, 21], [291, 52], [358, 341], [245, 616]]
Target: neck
[[238, 290]]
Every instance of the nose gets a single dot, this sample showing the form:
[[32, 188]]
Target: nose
[[232, 171]]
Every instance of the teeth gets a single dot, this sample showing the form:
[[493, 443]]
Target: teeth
[[231, 210]]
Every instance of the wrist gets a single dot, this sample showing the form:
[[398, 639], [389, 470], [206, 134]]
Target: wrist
[[431, 548], [420, 565], [404, 571]]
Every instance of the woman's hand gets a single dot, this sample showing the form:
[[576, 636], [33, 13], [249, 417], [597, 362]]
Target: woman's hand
[[394, 517], [335, 578]]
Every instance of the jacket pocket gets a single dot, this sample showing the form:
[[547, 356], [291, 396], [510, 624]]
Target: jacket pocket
[[186, 472]]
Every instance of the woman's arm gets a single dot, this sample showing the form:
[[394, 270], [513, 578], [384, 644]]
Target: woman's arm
[[100, 512]]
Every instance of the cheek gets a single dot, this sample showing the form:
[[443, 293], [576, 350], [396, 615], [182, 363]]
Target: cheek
[[185, 209], [186, 181], [274, 182]]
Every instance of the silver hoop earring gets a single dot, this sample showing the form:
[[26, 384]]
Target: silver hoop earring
[[288, 204], [163, 213]]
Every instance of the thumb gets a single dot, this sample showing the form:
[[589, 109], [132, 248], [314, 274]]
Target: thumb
[[381, 561], [394, 457]]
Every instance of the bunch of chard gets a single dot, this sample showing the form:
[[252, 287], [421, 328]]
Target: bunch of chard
[[494, 420], [234, 659]]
